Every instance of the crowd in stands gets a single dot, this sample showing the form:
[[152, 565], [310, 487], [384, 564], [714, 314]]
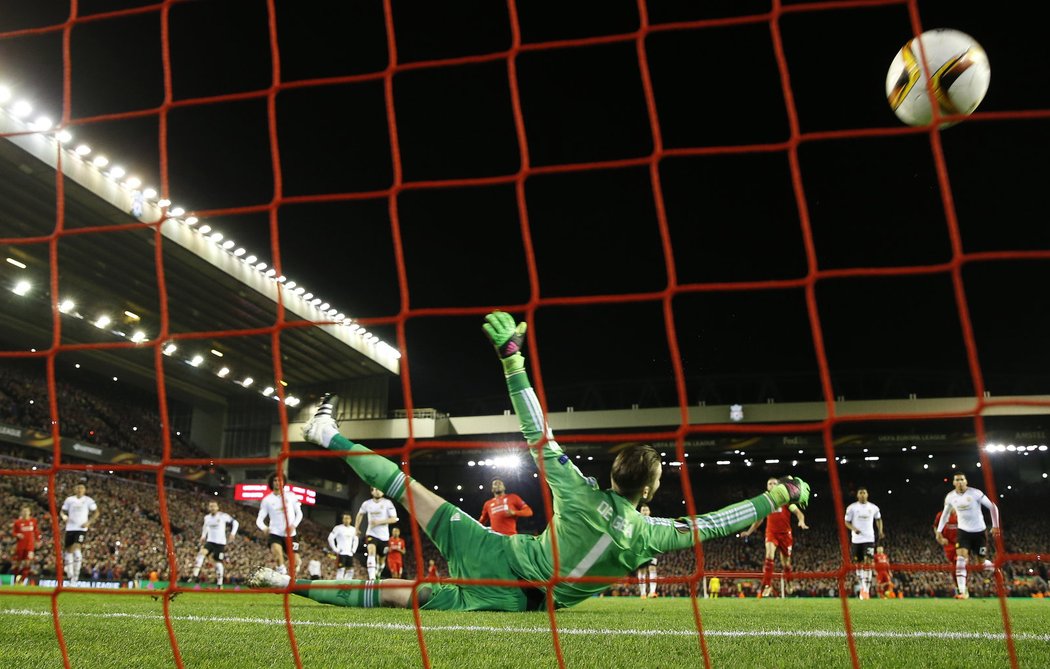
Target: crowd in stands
[[131, 424]]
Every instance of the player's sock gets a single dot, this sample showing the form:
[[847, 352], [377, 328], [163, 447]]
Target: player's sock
[[767, 573], [366, 596], [67, 565], [787, 572], [865, 580], [197, 564], [989, 565], [652, 587], [220, 571], [371, 573], [960, 574], [339, 573], [25, 574], [375, 470], [349, 572], [78, 562]]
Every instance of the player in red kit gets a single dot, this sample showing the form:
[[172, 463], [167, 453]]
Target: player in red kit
[[504, 509], [778, 538], [950, 534], [27, 532], [883, 575], [395, 553]]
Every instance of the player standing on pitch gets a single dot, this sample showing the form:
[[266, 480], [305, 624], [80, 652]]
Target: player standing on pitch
[[966, 503], [503, 509], [862, 517], [950, 534], [599, 532], [213, 541], [381, 514], [343, 542], [272, 510], [79, 512], [395, 555], [27, 532], [778, 538], [647, 572]]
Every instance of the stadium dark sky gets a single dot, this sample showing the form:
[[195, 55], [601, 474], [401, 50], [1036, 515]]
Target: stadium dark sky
[[873, 202]]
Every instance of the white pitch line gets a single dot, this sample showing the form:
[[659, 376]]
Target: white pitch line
[[405, 627]]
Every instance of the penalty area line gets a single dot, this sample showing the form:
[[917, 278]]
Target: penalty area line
[[581, 631]]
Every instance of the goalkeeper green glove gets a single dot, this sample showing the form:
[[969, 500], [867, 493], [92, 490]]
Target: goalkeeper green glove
[[507, 337]]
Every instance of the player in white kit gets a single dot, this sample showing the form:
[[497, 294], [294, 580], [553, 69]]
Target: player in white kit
[[971, 544], [272, 509], [647, 572], [213, 541], [79, 512], [343, 542], [862, 519], [381, 515]]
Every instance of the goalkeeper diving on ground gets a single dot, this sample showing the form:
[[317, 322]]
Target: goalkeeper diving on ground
[[599, 533]]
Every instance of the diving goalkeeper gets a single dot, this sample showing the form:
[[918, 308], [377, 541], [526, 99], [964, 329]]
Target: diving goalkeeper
[[599, 533]]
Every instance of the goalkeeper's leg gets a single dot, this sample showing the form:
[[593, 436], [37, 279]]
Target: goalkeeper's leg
[[375, 470]]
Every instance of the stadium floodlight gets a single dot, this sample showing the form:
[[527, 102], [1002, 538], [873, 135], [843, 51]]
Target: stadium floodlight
[[721, 462], [267, 391], [191, 220], [204, 229], [1042, 447], [287, 284], [117, 172], [470, 463], [216, 237], [103, 321], [228, 244], [149, 193], [133, 183], [310, 296], [66, 306], [178, 211], [223, 372], [872, 458], [324, 305], [164, 202], [82, 150], [291, 401], [138, 337], [5, 94], [63, 137], [330, 312], [217, 353], [16, 263], [132, 315], [251, 259], [271, 272], [260, 266], [316, 301], [100, 161], [247, 381], [239, 252], [774, 461], [22, 108], [300, 290], [820, 459], [170, 348], [196, 360], [21, 288], [43, 123]]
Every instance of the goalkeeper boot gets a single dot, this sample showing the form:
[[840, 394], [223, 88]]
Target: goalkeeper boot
[[264, 577], [322, 427], [798, 490]]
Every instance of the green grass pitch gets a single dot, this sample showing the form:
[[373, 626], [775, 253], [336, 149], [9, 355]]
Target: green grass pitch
[[247, 631]]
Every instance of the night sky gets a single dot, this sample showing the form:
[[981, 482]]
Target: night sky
[[873, 202]]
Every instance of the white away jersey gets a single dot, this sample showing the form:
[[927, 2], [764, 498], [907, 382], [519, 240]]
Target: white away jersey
[[215, 527], [343, 539], [78, 509], [967, 508], [378, 510], [863, 517], [271, 509]]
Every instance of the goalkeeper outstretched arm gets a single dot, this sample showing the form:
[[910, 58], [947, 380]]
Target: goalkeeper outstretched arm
[[507, 337]]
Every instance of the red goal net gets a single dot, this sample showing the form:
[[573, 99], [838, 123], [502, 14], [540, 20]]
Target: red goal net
[[629, 172]]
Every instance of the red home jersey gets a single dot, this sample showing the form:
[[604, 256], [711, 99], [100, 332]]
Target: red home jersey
[[395, 556], [26, 531], [496, 511], [778, 522], [882, 562], [951, 528]]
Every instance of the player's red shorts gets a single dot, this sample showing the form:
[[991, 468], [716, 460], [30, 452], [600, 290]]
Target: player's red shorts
[[783, 540], [882, 576], [22, 552], [394, 565]]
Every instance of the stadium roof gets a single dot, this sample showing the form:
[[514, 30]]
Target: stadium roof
[[114, 272]]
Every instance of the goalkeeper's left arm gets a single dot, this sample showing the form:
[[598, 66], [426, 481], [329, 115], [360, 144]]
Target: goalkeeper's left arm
[[508, 337]]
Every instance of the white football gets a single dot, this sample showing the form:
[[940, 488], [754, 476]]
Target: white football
[[958, 68]]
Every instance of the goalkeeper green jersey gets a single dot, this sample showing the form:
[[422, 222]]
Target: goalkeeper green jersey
[[598, 532]]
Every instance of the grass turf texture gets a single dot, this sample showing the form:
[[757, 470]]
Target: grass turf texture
[[238, 630]]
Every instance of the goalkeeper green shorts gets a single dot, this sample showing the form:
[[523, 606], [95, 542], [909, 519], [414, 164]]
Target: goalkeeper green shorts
[[473, 551]]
